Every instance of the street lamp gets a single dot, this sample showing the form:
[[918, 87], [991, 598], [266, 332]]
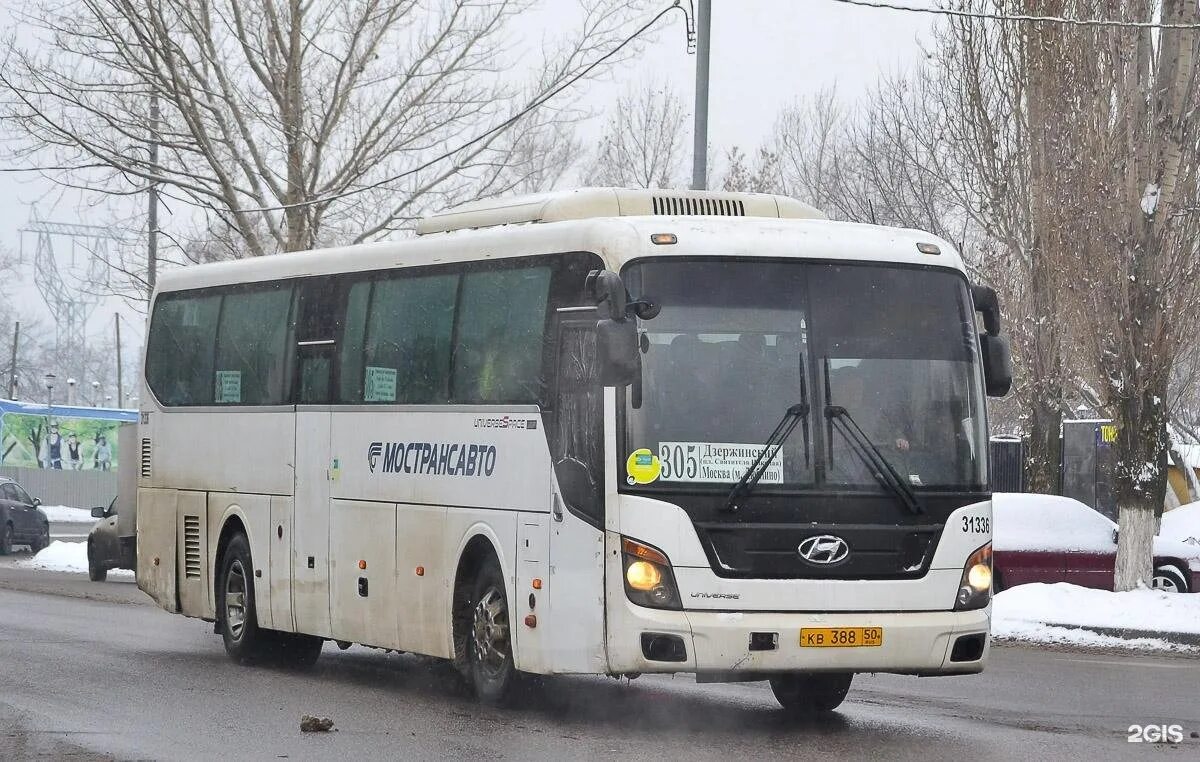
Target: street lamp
[[50, 379], [71, 391], [95, 394]]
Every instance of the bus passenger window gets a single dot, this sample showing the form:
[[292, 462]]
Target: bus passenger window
[[179, 360], [501, 326], [251, 367]]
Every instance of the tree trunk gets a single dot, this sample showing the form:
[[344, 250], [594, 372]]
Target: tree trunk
[[1141, 482], [1045, 447]]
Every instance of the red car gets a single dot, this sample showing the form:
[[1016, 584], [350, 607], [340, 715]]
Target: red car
[[1047, 538]]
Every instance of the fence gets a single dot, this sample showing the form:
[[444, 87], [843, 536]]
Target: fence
[[81, 489]]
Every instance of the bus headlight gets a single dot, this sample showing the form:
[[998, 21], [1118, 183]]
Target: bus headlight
[[975, 588], [648, 578]]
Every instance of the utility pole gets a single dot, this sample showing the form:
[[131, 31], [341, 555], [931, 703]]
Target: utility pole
[[120, 388], [12, 369], [152, 221], [700, 133]]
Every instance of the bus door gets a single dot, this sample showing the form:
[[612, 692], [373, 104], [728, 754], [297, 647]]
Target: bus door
[[575, 431], [317, 330]]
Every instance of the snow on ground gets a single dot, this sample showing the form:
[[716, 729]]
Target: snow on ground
[[65, 513], [1182, 524], [66, 557], [1048, 613]]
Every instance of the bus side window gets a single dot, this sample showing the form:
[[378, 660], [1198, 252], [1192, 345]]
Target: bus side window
[[179, 361], [501, 325], [316, 339], [252, 353]]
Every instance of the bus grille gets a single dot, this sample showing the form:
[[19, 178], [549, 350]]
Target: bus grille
[[146, 458], [718, 207], [191, 547]]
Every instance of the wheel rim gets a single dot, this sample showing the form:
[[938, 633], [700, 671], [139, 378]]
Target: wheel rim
[[235, 599], [1165, 583], [490, 629]]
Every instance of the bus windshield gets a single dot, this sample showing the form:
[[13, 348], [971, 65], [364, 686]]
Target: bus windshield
[[740, 341]]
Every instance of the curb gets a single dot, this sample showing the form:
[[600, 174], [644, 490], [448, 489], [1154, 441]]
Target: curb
[[1191, 639]]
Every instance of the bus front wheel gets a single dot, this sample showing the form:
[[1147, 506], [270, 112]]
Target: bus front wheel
[[808, 694], [489, 637]]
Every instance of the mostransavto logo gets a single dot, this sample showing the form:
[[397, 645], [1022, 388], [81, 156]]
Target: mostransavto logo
[[433, 458]]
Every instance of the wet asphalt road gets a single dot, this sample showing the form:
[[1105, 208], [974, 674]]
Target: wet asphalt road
[[93, 671]]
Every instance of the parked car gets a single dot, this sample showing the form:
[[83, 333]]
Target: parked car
[[21, 521], [106, 547], [1047, 538], [1182, 524]]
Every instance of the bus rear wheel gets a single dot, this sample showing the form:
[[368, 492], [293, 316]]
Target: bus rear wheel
[[490, 666], [810, 694], [244, 640]]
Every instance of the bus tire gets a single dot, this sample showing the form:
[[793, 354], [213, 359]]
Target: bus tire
[[244, 640], [809, 694], [490, 666]]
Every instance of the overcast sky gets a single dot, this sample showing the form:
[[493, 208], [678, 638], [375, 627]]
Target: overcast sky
[[765, 54]]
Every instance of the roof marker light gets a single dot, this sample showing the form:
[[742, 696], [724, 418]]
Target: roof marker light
[[663, 239], [928, 248]]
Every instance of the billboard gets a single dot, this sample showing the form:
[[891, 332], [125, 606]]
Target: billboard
[[60, 437]]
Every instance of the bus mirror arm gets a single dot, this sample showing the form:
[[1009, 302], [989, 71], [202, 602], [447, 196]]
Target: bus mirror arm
[[987, 305]]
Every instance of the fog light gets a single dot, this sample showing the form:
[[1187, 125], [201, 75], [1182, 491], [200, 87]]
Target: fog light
[[980, 577], [644, 576]]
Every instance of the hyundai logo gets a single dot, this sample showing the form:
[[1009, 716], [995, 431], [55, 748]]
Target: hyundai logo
[[824, 549]]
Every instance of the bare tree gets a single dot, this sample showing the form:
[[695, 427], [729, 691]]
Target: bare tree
[[644, 141], [1134, 232], [236, 108]]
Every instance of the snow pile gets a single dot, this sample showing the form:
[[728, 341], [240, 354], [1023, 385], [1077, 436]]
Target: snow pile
[[1047, 613], [66, 557], [67, 514], [1182, 524]]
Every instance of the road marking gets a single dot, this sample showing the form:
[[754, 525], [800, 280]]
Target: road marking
[[1132, 661]]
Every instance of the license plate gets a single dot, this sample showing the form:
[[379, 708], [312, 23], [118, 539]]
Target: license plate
[[841, 637]]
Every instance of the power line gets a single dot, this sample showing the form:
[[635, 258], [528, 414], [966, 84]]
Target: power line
[[535, 103], [1022, 18]]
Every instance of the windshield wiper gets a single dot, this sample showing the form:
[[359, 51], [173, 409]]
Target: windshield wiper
[[862, 446], [795, 414]]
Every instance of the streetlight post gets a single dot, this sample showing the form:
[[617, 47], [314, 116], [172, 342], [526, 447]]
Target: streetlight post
[[700, 133], [71, 391], [95, 394], [50, 378]]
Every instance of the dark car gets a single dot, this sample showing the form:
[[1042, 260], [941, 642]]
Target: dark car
[[107, 547], [21, 521], [1047, 538]]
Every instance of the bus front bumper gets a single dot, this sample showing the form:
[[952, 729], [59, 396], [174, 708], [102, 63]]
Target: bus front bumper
[[739, 645]]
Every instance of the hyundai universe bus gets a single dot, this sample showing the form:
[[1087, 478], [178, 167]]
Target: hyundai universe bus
[[603, 431]]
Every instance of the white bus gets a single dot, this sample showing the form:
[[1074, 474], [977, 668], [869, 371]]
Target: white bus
[[603, 431]]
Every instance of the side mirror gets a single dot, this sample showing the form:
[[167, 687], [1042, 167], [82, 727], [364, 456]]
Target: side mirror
[[997, 364], [576, 484], [616, 335], [98, 512], [617, 352], [37, 501]]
